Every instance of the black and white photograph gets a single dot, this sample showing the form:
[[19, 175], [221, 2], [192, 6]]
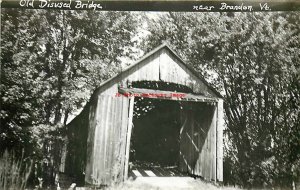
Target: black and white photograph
[[155, 95]]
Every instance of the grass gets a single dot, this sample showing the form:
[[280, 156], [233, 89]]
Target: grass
[[14, 172]]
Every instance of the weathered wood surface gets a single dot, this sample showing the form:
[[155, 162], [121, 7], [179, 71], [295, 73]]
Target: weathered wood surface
[[90, 127], [160, 66], [107, 155], [167, 95], [220, 125], [197, 140], [128, 136], [97, 137], [77, 145]]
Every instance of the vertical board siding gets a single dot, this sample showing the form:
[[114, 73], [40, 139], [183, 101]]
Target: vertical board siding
[[220, 124], [111, 91], [214, 145], [110, 123], [197, 140], [171, 68], [90, 139], [128, 136], [76, 146], [146, 70], [161, 66], [120, 142], [97, 137]]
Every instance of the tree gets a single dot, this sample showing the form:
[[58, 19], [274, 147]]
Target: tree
[[52, 60], [253, 58]]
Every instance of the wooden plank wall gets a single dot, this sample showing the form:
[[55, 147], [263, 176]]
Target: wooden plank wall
[[93, 111], [128, 136], [206, 162], [76, 147], [107, 155], [171, 68], [161, 66], [198, 140]]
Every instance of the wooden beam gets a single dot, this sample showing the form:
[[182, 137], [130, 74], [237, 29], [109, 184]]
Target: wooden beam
[[165, 95], [220, 125], [128, 136], [214, 144]]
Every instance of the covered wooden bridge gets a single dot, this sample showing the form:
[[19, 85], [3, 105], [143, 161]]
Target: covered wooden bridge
[[158, 111]]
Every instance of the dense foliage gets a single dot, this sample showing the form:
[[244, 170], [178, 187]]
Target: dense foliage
[[52, 60], [253, 58]]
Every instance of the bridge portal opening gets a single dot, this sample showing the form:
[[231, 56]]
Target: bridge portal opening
[[155, 140], [155, 143]]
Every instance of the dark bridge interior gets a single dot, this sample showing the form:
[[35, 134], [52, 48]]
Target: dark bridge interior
[[156, 131], [155, 143], [155, 136]]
